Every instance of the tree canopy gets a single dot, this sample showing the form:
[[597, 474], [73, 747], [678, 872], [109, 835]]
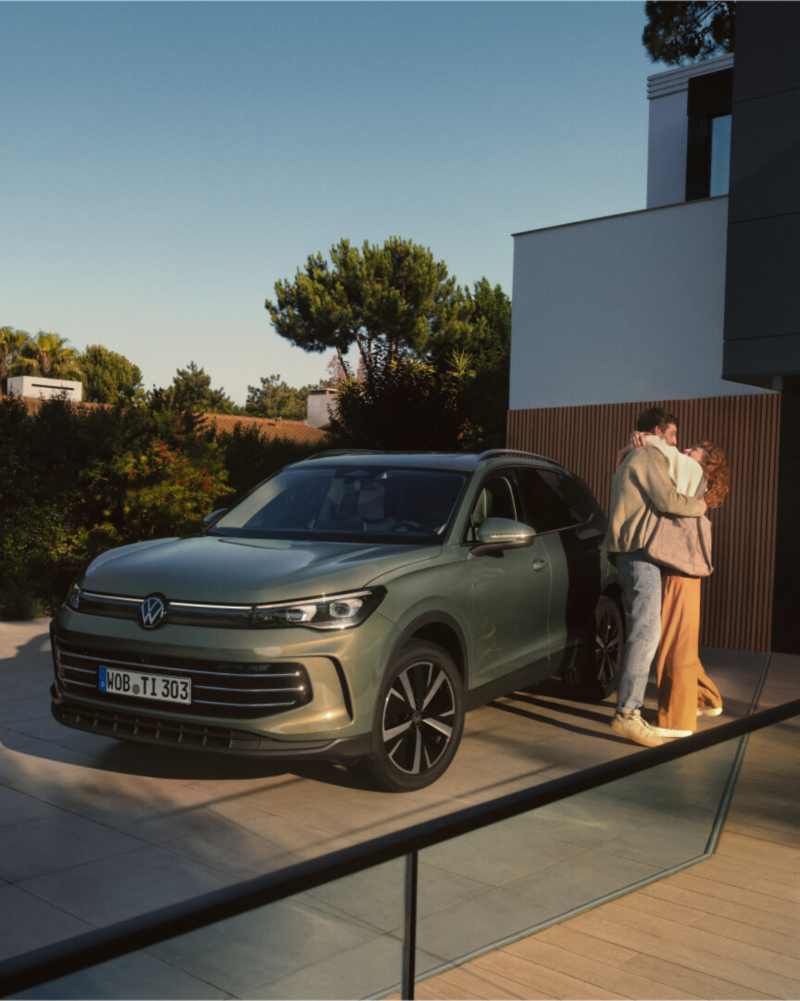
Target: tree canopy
[[109, 377], [47, 355], [492, 346], [191, 391], [678, 33], [11, 344], [486, 396], [274, 398], [391, 302], [433, 357], [449, 401]]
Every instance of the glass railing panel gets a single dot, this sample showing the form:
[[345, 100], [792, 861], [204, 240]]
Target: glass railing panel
[[336, 941], [529, 871], [344, 939]]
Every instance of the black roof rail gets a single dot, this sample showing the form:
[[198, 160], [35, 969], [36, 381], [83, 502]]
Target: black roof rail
[[346, 451], [491, 452]]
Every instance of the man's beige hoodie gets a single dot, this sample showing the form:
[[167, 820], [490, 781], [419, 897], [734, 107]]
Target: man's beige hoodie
[[642, 484]]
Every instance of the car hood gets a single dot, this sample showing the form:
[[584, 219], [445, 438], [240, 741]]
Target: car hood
[[245, 571]]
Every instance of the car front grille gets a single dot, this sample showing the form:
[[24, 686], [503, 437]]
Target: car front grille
[[179, 613], [229, 690]]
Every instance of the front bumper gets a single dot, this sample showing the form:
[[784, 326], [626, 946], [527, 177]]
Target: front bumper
[[153, 728], [343, 669]]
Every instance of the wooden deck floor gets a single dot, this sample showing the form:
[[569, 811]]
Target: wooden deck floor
[[728, 927]]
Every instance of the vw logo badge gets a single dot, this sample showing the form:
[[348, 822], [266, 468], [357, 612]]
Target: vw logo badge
[[152, 612]]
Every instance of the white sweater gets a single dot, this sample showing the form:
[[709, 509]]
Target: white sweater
[[685, 472]]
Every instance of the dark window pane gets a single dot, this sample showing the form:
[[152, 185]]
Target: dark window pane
[[719, 179], [553, 500]]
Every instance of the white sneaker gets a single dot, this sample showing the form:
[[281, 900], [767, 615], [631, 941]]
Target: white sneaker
[[663, 731], [636, 729], [710, 711]]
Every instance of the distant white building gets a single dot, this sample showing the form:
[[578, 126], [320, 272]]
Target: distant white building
[[37, 388], [320, 404]]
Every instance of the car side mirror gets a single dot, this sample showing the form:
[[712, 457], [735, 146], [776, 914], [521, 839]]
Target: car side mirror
[[495, 534], [211, 518]]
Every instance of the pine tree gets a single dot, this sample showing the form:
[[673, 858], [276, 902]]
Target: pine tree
[[677, 33]]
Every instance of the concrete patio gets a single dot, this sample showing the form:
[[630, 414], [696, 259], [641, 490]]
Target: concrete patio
[[93, 831]]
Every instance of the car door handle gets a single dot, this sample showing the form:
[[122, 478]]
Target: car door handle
[[540, 564]]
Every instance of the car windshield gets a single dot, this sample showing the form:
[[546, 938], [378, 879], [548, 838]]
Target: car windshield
[[347, 504]]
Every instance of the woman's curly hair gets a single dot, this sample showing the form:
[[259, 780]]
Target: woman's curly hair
[[717, 472]]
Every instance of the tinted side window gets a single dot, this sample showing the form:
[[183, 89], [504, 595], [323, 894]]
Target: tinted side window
[[553, 500]]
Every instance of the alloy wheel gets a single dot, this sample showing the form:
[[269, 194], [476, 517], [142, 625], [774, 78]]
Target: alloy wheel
[[607, 648], [418, 717]]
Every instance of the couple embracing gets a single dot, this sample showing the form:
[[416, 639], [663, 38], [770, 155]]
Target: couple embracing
[[661, 544]]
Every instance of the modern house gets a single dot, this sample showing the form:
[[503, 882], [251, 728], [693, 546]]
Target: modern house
[[38, 388], [692, 303]]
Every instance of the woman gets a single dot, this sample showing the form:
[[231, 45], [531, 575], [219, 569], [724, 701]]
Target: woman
[[684, 689]]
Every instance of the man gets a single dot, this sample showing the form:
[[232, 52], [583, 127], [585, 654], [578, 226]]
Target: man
[[642, 484]]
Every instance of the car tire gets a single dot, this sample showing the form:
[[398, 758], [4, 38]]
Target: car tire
[[419, 719], [594, 673]]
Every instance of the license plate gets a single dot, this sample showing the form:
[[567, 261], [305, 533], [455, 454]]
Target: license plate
[[145, 686]]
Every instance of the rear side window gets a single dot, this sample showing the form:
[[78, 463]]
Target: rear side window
[[553, 500]]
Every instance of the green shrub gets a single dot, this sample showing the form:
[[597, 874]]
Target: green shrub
[[75, 482], [156, 472]]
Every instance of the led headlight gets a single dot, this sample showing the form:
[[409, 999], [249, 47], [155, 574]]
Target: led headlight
[[74, 597], [341, 611]]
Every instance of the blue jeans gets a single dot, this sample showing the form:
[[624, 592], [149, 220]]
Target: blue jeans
[[641, 596]]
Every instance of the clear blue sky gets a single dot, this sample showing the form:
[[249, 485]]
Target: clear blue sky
[[164, 164]]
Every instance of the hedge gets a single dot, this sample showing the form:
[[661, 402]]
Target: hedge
[[76, 481]]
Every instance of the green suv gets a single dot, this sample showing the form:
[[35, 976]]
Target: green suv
[[351, 607]]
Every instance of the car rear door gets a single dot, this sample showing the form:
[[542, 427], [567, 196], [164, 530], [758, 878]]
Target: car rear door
[[566, 520]]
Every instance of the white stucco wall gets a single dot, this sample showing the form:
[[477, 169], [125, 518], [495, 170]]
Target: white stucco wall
[[37, 387], [621, 309], [666, 150]]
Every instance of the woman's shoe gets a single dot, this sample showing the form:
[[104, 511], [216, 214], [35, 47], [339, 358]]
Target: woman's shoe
[[662, 731], [709, 711]]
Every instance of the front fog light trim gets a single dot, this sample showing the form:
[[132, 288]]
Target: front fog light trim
[[338, 611]]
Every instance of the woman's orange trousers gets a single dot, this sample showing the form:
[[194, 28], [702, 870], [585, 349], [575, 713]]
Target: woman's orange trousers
[[683, 685]]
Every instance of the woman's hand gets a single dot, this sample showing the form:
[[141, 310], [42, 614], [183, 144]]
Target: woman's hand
[[637, 439]]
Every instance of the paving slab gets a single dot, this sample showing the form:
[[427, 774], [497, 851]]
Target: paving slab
[[267, 943], [139, 977], [124, 886], [27, 922], [56, 842]]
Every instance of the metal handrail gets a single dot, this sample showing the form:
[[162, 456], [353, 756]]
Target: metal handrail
[[82, 951]]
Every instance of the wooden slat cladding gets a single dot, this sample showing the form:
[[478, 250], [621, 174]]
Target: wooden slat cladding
[[736, 609]]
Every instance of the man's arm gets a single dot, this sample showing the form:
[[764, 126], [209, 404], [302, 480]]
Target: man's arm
[[653, 474]]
